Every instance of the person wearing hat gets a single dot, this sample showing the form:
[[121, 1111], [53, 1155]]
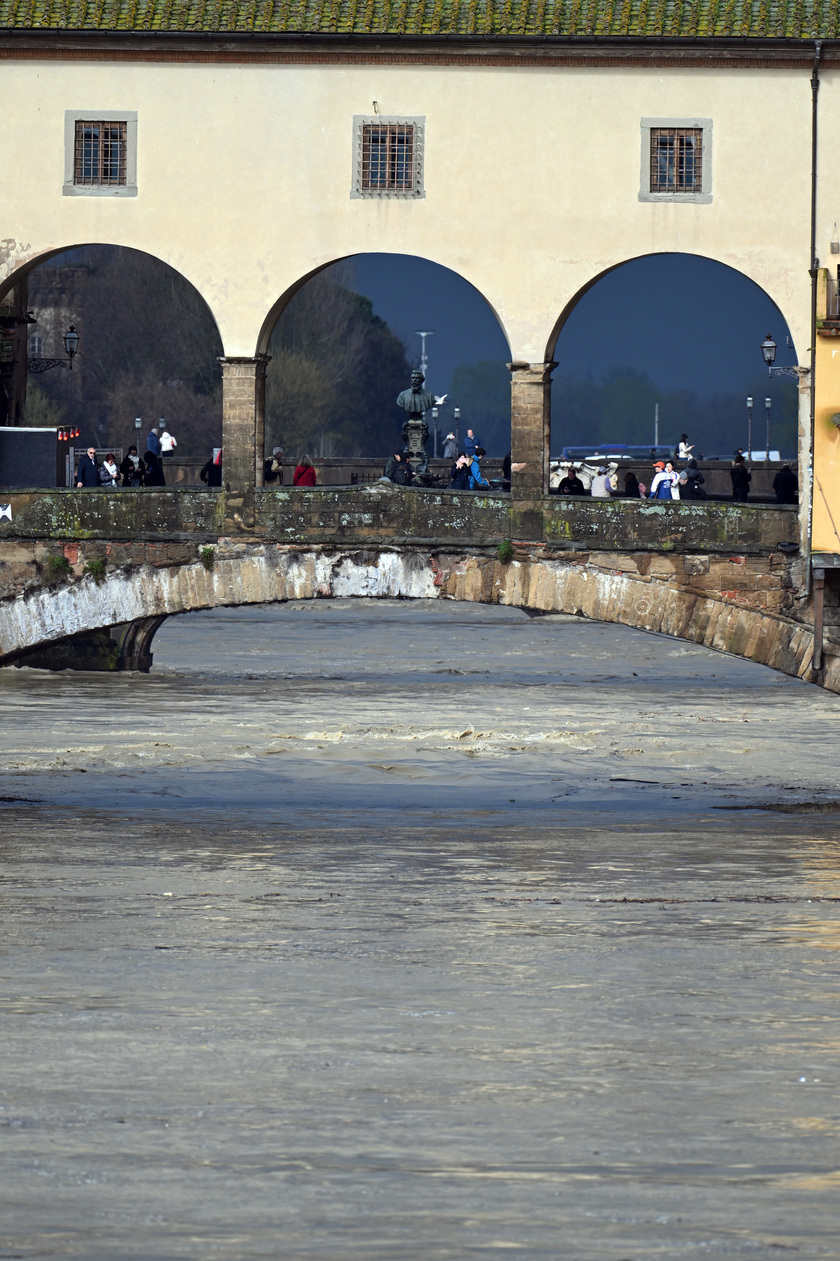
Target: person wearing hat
[[450, 447], [600, 488], [664, 481]]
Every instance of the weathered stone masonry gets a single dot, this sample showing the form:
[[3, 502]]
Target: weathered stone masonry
[[726, 576]]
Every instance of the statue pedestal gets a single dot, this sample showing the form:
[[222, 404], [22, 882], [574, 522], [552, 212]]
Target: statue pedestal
[[415, 432]]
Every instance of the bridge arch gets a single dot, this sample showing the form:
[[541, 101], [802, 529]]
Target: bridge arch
[[276, 310], [664, 319], [148, 339], [758, 281], [25, 269], [138, 600]]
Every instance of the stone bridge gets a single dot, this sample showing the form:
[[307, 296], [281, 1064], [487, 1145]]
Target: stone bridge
[[86, 578]]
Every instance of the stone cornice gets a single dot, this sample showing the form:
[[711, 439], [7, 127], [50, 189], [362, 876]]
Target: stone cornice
[[612, 51]]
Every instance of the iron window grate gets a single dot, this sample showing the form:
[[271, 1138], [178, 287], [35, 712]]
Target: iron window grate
[[676, 159], [100, 153], [388, 158]]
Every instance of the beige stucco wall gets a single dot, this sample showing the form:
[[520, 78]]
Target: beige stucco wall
[[531, 178]]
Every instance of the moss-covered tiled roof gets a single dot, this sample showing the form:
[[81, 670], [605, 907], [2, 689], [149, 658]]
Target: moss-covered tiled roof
[[792, 19]]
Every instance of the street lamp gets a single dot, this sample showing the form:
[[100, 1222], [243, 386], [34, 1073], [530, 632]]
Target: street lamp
[[768, 403], [768, 351], [749, 426], [457, 415], [138, 422], [71, 345], [435, 414]]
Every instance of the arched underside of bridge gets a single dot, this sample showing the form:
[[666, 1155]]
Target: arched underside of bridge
[[56, 627]]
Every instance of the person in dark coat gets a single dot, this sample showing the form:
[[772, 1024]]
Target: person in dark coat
[[459, 478], [132, 468], [694, 480], [741, 478], [398, 470], [154, 470], [211, 474], [87, 474], [631, 486], [784, 484], [571, 484]]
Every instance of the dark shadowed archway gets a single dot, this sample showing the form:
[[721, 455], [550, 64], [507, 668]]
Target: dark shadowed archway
[[149, 347], [679, 331], [343, 341]]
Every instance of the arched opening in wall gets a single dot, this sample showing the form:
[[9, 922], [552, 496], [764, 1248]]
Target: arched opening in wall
[[343, 347], [665, 345], [148, 348]]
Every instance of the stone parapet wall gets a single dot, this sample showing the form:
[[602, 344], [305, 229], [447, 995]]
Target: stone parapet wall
[[385, 513]]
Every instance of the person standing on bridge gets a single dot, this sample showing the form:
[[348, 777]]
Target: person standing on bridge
[[167, 442], [304, 474], [741, 478], [87, 474], [470, 443], [153, 441], [450, 447]]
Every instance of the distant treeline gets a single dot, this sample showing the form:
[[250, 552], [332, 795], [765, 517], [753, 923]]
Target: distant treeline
[[620, 408]]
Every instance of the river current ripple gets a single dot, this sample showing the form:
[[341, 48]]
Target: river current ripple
[[377, 930]]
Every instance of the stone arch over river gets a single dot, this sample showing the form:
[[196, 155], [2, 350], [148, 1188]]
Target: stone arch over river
[[111, 624]]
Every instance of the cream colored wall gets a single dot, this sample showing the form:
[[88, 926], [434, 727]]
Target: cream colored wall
[[531, 177]]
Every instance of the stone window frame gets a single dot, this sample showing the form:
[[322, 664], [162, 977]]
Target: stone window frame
[[417, 191], [701, 198], [70, 188]]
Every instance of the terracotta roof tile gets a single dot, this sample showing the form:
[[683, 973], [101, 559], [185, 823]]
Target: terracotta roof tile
[[791, 19]]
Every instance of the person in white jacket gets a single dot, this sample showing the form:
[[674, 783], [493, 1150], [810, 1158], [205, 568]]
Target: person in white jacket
[[167, 442], [665, 484]]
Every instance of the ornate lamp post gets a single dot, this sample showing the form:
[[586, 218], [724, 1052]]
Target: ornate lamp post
[[749, 426], [768, 351], [767, 405], [71, 345]]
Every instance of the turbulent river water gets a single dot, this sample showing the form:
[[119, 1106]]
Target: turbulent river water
[[387, 930]]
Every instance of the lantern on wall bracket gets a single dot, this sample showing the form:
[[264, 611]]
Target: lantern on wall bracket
[[768, 351], [71, 346]]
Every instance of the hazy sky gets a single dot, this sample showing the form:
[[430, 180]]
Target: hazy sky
[[685, 321]]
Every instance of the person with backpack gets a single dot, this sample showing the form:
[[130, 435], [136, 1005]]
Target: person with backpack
[[398, 469], [273, 467]]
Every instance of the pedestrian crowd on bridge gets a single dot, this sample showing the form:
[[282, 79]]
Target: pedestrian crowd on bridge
[[677, 478]]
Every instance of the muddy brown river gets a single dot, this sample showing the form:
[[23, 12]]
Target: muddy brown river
[[385, 930]]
